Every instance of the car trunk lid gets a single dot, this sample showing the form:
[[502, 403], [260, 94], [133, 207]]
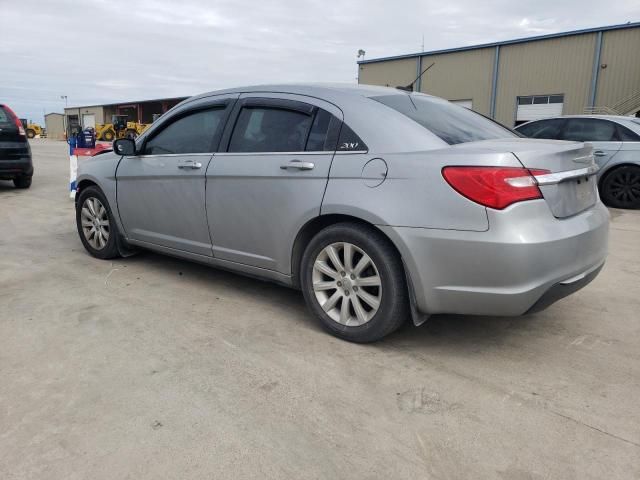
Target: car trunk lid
[[570, 187]]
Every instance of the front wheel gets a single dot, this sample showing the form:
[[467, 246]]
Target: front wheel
[[620, 188], [96, 226], [31, 133], [353, 281]]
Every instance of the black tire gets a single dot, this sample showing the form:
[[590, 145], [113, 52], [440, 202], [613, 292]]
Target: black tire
[[22, 182], [108, 136], [110, 249], [132, 134], [31, 133], [620, 188], [393, 308]]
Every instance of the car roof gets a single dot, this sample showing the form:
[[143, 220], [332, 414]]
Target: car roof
[[604, 117], [625, 120], [391, 130], [314, 89]]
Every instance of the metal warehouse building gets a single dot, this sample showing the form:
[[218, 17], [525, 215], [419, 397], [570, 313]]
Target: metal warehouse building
[[584, 71], [141, 111]]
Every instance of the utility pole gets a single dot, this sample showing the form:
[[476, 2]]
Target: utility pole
[[64, 113], [361, 53]]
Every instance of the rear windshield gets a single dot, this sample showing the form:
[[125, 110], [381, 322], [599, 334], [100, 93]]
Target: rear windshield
[[452, 123], [4, 117]]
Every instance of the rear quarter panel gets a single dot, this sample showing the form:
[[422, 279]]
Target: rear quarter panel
[[414, 193]]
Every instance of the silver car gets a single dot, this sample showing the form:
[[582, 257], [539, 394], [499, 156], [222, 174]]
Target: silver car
[[616, 144], [380, 205]]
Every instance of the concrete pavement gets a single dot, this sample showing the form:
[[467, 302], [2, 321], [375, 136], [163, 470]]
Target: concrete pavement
[[151, 367]]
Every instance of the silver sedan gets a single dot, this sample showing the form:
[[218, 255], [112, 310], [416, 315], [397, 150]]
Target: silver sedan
[[379, 204], [616, 144]]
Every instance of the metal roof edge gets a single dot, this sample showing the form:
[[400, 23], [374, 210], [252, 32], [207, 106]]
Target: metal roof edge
[[128, 102], [505, 42]]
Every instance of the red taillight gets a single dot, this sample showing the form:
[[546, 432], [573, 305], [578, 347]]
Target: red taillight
[[495, 187], [16, 120]]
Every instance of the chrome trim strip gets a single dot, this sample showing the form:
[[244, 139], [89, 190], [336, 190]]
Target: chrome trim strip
[[557, 177], [173, 155], [235, 154], [229, 154]]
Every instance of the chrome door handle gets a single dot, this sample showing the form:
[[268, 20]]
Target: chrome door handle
[[298, 164], [190, 164], [599, 153]]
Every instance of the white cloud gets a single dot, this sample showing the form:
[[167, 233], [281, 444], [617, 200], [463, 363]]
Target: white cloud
[[119, 50]]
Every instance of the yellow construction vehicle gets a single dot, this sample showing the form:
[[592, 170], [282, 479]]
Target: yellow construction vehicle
[[119, 128], [32, 129]]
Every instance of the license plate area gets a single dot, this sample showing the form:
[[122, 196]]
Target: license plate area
[[571, 196]]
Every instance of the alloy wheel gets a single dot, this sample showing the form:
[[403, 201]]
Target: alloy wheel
[[347, 284], [624, 187], [95, 223]]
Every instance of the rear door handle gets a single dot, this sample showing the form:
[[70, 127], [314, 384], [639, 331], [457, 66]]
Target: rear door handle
[[192, 164], [599, 153], [298, 164]]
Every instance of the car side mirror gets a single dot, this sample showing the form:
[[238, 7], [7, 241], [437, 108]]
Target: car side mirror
[[124, 146]]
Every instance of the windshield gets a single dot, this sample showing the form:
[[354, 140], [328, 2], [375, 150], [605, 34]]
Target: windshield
[[452, 123]]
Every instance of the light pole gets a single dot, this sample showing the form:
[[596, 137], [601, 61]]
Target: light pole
[[64, 114], [361, 53]]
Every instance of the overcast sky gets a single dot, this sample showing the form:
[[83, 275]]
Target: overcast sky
[[98, 51]]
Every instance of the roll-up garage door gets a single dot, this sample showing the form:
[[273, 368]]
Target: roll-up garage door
[[535, 107], [89, 120]]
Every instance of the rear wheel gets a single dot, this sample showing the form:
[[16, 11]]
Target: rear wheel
[[621, 187], [22, 182], [352, 280], [95, 223]]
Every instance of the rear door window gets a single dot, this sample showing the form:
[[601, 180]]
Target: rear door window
[[626, 135], [590, 130], [197, 132], [452, 123], [550, 129], [273, 129]]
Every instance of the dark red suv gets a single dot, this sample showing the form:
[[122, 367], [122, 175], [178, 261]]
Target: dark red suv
[[15, 153]]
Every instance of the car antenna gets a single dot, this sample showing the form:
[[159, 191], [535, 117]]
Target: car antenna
[[409, 88]]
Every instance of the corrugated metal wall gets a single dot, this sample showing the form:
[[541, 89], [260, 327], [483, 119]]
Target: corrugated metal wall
[[54, 123], [562, 65], [455, 76], [621, 77], [544, 67], [461, 75], [391, 73], [98, 111]]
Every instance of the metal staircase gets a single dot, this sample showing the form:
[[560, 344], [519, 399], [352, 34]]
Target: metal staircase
[[627, 106]]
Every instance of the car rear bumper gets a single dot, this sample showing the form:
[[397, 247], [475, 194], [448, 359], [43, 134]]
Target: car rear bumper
[[16, 167], [525, 261]]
